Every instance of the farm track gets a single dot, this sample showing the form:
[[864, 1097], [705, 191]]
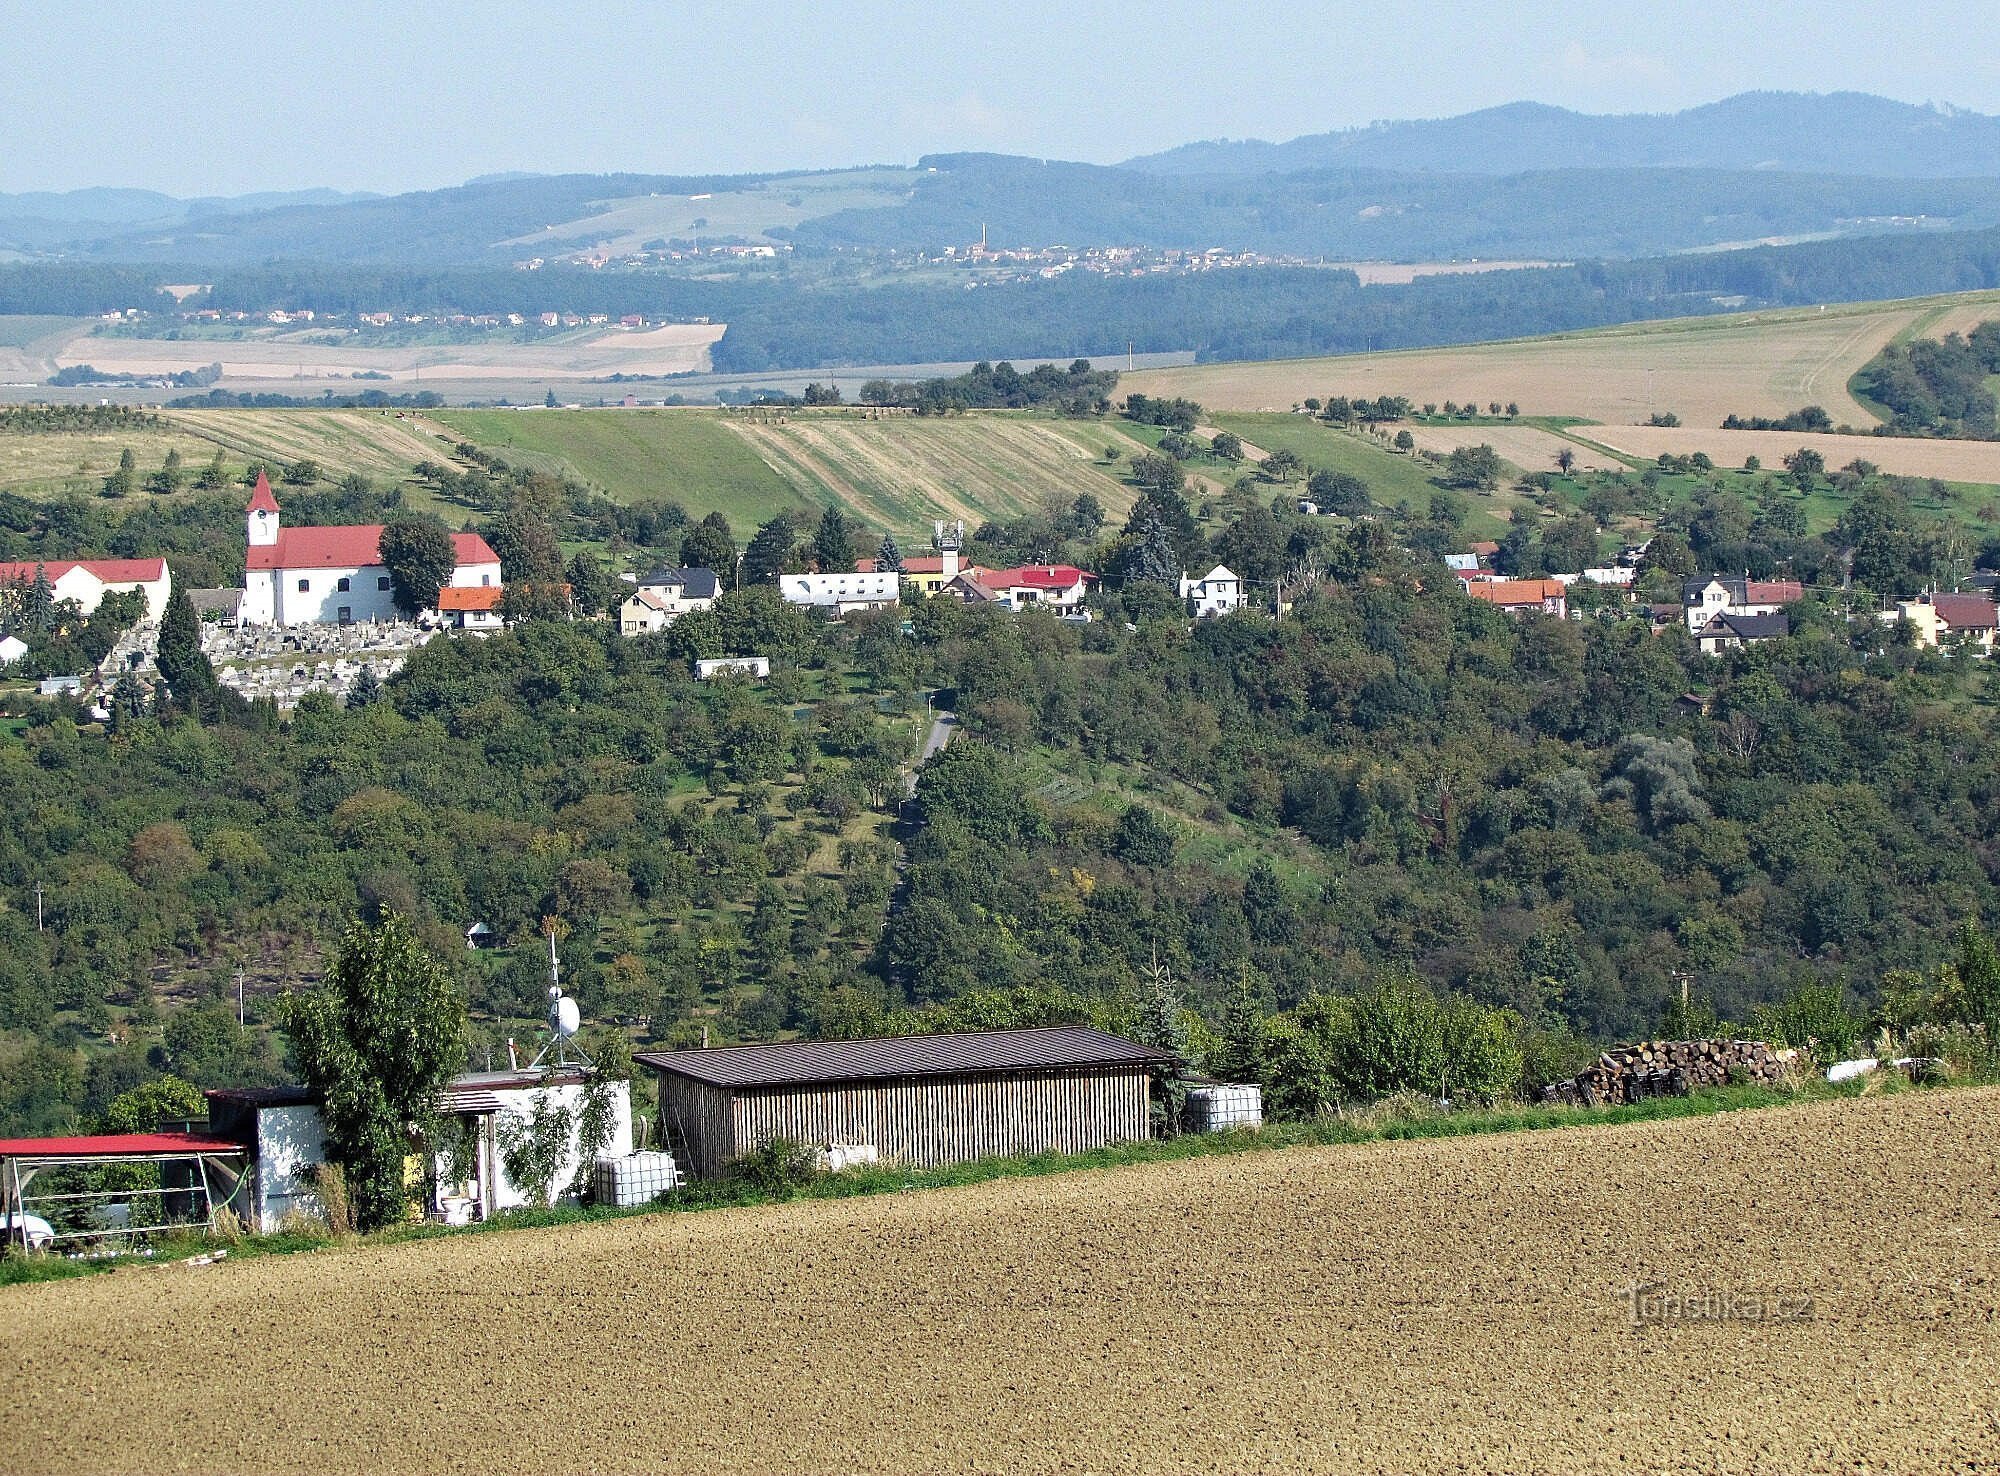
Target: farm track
[[1433, 1305]]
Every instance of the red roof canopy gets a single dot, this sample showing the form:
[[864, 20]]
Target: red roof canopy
[[107, 571], [261, 499], [357, 547], [110, 1145]]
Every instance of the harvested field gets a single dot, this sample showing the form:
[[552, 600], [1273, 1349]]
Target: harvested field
[[1444, 1304], [901, 473], [1703, 369], [1528, 447], [272, 363], [1953, 461]]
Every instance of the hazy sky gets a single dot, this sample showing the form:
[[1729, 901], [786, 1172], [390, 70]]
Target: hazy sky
[[218, 98]]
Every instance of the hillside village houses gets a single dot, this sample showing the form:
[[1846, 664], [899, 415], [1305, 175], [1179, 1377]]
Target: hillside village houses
[[1706, 596], [842, 593], [1059, 588], [334, 576]]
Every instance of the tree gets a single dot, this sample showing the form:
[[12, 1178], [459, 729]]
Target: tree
[[526, 543], [771, 548], [1227, 445], [1156, 473], [1338, 492], [833, 542], [1565, 459], [888, 556], [1141, 839], [822, 394], [1405, 441], [1282, 465], [182, 665], [1806, 465], [1477, 467], [212, 477], [419, 556], [594, 591], [1253, 546], [1150, 556], [170, 478], [710, 544], [302, 473], [125, 481], [376, 1042]]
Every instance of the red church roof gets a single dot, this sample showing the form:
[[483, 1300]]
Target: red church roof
[[357, 547], [107, 571], [261, 499]]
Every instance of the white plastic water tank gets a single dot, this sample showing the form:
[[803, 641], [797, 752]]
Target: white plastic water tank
[[1224, 1107]]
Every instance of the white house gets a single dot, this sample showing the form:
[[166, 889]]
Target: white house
[[333, 576], [665, 595], [472, 608], [1707, 596], [284, 1141], [88, 581], [1057, 587], [12, 649], [842, 593], [1218, 592]]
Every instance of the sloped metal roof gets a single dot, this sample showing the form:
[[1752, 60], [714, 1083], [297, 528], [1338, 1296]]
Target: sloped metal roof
[[969, 1053]]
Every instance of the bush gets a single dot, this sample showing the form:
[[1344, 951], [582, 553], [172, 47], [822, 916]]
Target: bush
[[777, 1167]]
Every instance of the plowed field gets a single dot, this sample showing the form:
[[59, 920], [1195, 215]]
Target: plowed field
[[1427, 1306]]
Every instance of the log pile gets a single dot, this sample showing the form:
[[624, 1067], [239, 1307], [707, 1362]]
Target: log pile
[[1668, 1068]]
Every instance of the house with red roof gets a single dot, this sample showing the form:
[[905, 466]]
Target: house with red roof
[[1970, 618], [1522, 596], [1057, 587], [88, 581], [334, 576]]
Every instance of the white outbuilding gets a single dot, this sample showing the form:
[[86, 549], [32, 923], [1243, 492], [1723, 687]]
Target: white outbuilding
[[1218, 592]]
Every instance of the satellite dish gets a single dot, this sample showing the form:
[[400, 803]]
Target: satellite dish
[[564, 1017]]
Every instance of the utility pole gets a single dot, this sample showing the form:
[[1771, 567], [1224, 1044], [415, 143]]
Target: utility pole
[[239, 996], [38, 907]]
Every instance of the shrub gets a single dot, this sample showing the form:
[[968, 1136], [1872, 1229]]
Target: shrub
[[777, 1166]]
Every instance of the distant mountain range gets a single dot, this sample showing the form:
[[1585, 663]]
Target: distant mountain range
[[1809, 133], [1523, 180]]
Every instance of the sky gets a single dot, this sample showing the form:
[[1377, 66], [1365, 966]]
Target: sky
[[226, 98]]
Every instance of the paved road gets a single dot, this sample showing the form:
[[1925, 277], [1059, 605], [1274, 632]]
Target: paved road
[[943, 725]]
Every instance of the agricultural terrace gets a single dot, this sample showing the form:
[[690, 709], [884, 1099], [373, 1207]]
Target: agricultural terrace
[[1449, 1303], [899, 472], [1765, 363]]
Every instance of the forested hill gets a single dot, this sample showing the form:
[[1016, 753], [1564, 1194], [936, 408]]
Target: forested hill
[[1832, 133]]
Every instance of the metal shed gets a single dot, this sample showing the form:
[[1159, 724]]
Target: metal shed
[[921, 1100]]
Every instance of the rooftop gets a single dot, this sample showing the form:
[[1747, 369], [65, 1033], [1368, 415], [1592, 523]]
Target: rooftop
[[969, 1053], [356, 547]]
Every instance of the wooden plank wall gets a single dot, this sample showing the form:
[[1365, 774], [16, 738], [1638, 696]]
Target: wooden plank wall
[[923, 1122]]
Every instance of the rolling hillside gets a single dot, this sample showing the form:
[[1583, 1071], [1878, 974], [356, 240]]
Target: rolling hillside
[[1702, 369]]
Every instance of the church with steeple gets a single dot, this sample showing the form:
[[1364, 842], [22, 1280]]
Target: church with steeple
[[333, 576]]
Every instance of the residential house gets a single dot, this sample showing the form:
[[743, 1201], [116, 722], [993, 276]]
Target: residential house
[[1056, 587], [1728, 632], [328, 576], [88, 581], [841, 594], [472, 609], [1706, 596], [1218, 592], [665, 595], [12, 649], [1522, 596], [1934, 617]]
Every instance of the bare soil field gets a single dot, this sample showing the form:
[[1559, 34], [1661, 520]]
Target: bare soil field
[[1400, 273], [1702, 369], [674, 349], [1462, 1305], [1953, 461], [905, 471], [1528, 447]]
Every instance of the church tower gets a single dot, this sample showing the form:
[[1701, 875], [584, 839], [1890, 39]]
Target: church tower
[[948, 539], [263, 515]]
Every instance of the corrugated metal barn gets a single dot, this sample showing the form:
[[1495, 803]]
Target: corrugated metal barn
[[922, 1100]]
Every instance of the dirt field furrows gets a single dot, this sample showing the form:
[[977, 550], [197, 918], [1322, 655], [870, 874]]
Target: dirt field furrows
[[1429, 1306], [1954, 461], [1701, 369], [1528, 447], [902, 472]]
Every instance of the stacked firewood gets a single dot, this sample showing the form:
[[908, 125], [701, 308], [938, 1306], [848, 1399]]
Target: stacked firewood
[[1669, 1068]]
